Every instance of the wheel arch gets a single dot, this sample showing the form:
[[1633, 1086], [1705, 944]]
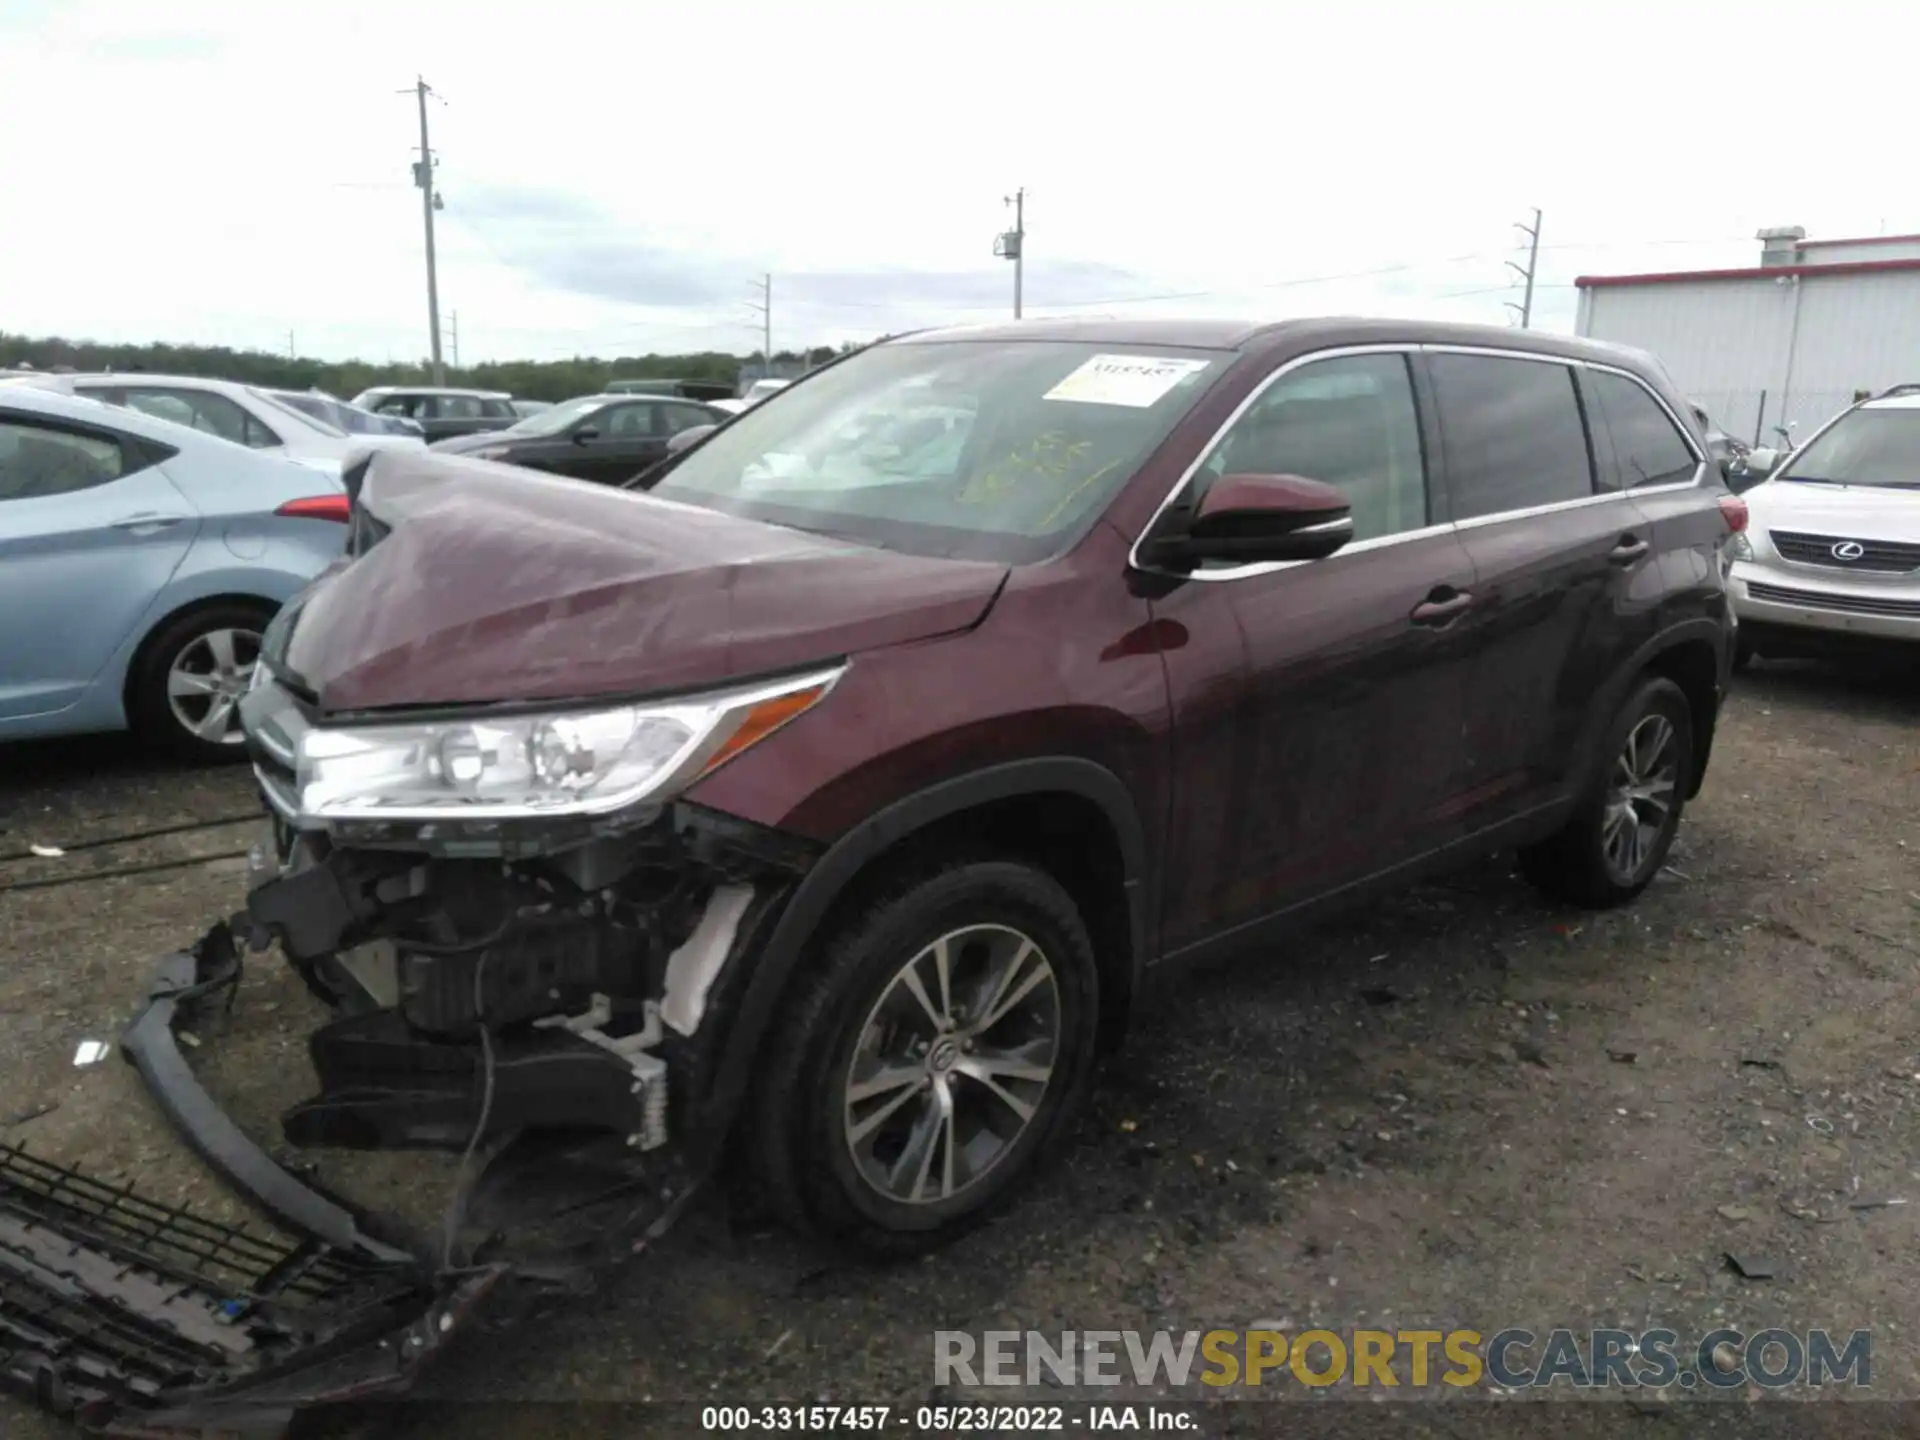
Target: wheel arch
[[137, 657], [1028, 808], [1695, 655]]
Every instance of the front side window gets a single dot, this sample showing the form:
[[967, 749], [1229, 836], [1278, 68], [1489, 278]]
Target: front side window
[[628, 422], [1514, 433], [1648, 449], [989, 449], [1880, 448], [1349, 422], [37, 461]]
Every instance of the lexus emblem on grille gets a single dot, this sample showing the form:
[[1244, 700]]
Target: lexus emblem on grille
[[1849, 550]]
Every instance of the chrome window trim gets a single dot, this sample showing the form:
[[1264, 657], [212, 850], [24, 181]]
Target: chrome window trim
[[1552, 507], [1426, 532]]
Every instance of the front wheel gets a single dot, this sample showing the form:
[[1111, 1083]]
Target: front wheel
[[1618, 837], [932, 1059]]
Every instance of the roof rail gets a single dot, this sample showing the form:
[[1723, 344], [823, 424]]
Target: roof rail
[[1895, 392]]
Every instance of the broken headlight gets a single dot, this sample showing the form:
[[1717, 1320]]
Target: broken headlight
[[565, 762]]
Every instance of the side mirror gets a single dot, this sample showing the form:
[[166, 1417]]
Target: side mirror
[[692, 435], [1254, 519]]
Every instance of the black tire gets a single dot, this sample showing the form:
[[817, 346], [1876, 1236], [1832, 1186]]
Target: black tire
[[800, 1146], [1575, 865], [149, 711], [1743, 653]]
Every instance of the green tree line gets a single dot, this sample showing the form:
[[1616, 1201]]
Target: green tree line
[[530, 379]]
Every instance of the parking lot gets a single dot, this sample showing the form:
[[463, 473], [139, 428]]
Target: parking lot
[[1465, 1109]]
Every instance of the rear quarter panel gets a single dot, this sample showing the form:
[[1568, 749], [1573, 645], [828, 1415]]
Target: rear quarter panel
[[243, 550]]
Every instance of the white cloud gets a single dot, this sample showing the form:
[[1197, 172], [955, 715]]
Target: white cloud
[[233, 172]]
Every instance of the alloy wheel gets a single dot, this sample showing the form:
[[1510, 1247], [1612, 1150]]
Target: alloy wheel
[[206, 681], [952, 1064], [1640, 797]]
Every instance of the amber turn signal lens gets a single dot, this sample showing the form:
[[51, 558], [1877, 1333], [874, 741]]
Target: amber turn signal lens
[[761, 721]]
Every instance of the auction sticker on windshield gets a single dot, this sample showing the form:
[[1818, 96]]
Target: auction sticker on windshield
[[1136, 381]]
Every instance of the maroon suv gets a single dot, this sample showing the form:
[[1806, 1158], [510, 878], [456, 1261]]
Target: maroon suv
[[825, 802]]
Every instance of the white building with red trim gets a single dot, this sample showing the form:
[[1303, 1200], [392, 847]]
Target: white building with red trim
[[1789, 341]]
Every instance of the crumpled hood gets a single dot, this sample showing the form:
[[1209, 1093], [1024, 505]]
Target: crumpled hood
[[498, 584], [1855, 512]]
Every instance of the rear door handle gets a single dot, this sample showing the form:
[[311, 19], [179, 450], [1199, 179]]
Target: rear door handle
[[1630, 549], [1442, 607], [146, 520]]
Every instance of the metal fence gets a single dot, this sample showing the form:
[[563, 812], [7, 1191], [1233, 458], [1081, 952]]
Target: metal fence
[[1752, 415]]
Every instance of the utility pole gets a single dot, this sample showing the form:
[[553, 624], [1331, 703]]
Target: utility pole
[[292, 354], [429, 202], [455, 338], [765, 306], [1532, 232], [1010, 244]]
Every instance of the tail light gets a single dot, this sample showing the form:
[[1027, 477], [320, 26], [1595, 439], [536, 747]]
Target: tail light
[[1735, 509], [337, 507]]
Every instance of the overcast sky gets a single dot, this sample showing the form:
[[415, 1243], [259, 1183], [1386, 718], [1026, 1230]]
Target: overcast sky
[[618, 175]]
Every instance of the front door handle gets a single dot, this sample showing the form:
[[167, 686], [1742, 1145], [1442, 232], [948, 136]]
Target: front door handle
[[147, 520], [1630, 549], [1442, 607]]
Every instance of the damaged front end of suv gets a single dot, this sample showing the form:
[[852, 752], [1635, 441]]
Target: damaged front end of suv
[[522, 929]]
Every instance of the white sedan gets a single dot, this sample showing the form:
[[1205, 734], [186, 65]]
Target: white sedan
[[1832, 553], [243, 414]]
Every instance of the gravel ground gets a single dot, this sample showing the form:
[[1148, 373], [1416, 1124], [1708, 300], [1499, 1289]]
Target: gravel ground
[[1465, 1109]]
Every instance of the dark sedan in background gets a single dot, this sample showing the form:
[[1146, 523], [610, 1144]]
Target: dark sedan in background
[[604, 438]]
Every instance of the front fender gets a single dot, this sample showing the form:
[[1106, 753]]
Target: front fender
[[773, 955]]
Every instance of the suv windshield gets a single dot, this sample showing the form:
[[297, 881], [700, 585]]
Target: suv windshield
[[995, 450], [1864, 447], [552, 421]]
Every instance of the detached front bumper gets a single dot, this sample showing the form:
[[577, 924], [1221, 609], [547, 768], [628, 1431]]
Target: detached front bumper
[[138, 1318]]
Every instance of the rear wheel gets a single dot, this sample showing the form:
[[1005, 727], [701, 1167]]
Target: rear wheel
[[932, 1060], [185, 690], [1618, 838]]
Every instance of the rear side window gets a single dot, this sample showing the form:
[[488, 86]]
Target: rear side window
[[204, 411], [1515, 437], [1647, 447], [675, 418], [37, 461], [497, 409], [457, 407]]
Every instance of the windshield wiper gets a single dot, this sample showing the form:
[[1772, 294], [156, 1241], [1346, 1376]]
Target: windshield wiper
[[1815, 480]]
